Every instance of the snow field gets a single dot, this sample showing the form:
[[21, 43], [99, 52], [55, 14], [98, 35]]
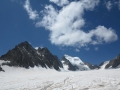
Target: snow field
[[49, 79]]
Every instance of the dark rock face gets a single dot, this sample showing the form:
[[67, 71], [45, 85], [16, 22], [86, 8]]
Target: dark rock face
[[91, 66], [113, 63], [70, 66], [101, 64], [24, 55], [49, 59], [1, 69]]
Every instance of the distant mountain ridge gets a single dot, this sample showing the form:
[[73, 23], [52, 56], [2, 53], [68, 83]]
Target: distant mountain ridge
[[91, 66], [24, 55]]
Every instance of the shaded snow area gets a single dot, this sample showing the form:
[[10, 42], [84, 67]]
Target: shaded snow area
[[118, 66], [49, 79], [104, 64], [65, 66]]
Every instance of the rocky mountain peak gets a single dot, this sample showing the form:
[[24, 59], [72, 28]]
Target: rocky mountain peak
[[24, 45], [114, 63], [118, 57], [43, 50], [24, 55]]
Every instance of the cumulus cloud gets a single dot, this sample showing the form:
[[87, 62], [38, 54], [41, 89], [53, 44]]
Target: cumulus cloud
[[49, 17], [109, 5], [103, 34], [65, 25], [60, 2], [32, 14]]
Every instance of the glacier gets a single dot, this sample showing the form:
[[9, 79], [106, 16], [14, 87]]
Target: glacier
[[38, 78]]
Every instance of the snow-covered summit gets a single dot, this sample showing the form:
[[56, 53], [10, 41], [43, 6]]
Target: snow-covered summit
[[73, 63], [74, 60]]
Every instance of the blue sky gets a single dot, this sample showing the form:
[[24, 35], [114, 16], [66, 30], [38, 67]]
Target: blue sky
[[89, 29]]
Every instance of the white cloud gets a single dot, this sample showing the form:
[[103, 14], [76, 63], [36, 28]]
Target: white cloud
[[109, 5], [60, 2], [49, 17], [103, 34], [96, 48], [65, 25], [77, 50], [32, 14]]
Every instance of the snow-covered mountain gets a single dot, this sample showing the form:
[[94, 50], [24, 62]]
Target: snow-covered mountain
[[24, 55], [73, 63], [103, 65], [114, 63]]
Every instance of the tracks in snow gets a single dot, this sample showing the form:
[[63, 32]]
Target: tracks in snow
[[58, 85], [96, 84]]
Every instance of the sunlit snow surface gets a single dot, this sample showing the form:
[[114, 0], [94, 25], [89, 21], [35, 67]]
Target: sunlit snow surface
[[75, 61], [2, 61], [49, 79]]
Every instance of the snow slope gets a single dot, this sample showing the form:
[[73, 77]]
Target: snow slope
[[104, 64], [75, 61], [49, 79]]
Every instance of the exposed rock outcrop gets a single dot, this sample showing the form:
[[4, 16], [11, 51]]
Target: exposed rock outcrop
[[1, 69], [24, 55], [92, 66], [114, 63]]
